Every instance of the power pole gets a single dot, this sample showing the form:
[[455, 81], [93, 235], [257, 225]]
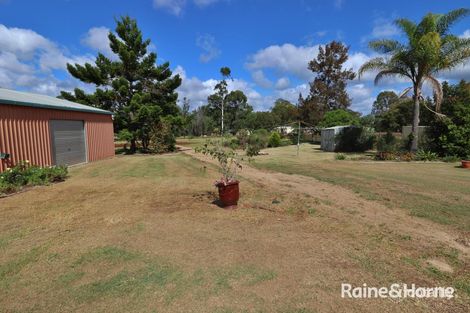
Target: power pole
[[298, 140], [298, 116], [222, 116]]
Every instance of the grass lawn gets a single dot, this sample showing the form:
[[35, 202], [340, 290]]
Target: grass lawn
[[436, 191], [141, 234]]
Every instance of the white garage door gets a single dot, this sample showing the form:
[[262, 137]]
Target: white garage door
[[68, 142]]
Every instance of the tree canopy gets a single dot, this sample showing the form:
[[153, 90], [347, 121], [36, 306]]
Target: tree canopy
[[328, 89], [139, 92]]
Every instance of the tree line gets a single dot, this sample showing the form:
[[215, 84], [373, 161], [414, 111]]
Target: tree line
[[142, 95]]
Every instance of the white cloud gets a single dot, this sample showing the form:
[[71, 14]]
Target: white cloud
[[361, 97], [209, 47], [197, 90], [384, 28], [285, 59], [282, 83], [466, 34], [97, 39], [202, 3], [28, 58], [260, 79], [174, 7]]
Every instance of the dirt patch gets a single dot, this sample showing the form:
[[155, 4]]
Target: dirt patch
[[441, 265]]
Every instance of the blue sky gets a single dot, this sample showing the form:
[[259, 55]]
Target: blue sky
[[266, 43]]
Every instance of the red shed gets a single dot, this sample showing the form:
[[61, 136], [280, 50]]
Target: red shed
[[50, 131]]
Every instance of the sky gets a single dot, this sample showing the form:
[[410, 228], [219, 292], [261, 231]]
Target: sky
[[266, 43]]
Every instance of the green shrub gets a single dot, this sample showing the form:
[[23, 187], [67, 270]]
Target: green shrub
[[274, 140], [451, 159], [285, 142], [234, 144], [125, 135], [340, 157], [24, 174], [387, 143], [425, 156], [339, 117], [258, 140], [355, 139], [242, 137]]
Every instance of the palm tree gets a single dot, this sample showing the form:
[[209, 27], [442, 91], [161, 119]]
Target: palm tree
[[430, 49]]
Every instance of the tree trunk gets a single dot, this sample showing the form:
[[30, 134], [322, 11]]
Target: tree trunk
[[415, 126], [133, 146], [222, 129]]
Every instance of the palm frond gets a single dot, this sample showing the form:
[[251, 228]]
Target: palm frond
[[455, 57], [405, 92], [437, 89], [373, 64], [407, 26], [386, 73], [445, 21], [385, 45]]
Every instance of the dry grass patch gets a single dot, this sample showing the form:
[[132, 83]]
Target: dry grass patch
[[142, 234]]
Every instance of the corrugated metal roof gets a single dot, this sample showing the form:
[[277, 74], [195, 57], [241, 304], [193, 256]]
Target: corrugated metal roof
[[13, 97], [336, 127]]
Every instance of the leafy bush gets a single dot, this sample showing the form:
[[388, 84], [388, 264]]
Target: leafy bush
[[258, 140], [274, 140], [355, 139], [285, 142], [425, 156], [451, 159], [339, 117], [234, 144], [162, 139], [387, 143], [24, 174], [242, 137], [340, 157], [125, 135], [450, 135]]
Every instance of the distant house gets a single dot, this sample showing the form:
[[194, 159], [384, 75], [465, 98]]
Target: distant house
[[328, 137], [49, 131], [284, 130], [406, 132]]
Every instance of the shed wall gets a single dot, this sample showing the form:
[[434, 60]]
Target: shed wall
[[25, 134]]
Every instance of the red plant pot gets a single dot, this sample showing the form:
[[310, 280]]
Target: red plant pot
[[465, 164], [229, 194]]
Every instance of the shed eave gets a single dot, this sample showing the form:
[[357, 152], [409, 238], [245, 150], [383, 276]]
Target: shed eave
[[52, 107]]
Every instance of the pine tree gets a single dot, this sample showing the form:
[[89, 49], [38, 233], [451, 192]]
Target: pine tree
[[133, 87], [328, 90]]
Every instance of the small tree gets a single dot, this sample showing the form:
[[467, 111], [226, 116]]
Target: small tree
[[383, 102], [219, 97], [339, 118], [228, 159]]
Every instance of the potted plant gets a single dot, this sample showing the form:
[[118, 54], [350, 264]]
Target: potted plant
[[466, 162], [229, 163]]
